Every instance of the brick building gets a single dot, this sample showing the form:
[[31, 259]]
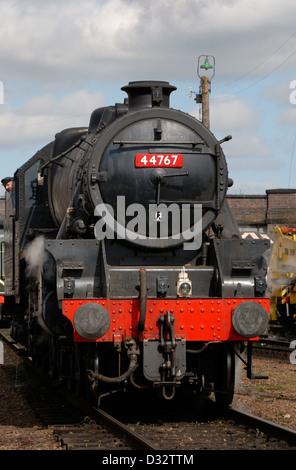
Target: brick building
[[262, 213]]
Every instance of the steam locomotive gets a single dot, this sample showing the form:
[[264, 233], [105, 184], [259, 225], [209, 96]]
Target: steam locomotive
[[124, 268]]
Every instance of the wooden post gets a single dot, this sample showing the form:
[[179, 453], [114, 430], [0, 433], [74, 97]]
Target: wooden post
[[205, 90]]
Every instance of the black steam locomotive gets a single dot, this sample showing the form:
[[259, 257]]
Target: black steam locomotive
[[123, 264]]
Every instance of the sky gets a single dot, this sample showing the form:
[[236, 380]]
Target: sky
[[61, 59]]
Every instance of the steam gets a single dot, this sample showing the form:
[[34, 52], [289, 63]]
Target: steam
[[35, 257], [279, 273]]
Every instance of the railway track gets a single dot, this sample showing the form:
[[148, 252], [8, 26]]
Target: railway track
[[102, 432], [273, 431], [276, 345], [213, 429], [149, 428], [75, 424]]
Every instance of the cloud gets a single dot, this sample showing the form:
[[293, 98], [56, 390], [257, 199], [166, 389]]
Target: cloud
[[246, 150], [232, 113], [288, 117], [63, 38], [66, 58], [279, 93], [73, 41], [39, 118]]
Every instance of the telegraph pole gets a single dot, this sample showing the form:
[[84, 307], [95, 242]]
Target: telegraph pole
[[205, 100], [205, 86]]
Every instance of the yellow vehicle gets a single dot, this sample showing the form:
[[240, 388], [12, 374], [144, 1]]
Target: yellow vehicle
[[282, 276]]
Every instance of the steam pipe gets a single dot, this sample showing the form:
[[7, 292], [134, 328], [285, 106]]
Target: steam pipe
[[103, 378], [133, 364]]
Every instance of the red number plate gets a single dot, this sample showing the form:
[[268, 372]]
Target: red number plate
[[149, 160]]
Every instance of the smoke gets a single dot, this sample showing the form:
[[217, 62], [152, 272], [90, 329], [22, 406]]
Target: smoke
[[35, 257], [279, 273], [275, 283]]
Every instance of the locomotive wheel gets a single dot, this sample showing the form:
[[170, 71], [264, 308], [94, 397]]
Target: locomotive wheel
[[224, 374], [52, 357], [76, 382], [89, 361], [65, 364]]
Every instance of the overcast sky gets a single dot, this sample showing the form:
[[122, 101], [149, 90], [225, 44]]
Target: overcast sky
[[61, 59]]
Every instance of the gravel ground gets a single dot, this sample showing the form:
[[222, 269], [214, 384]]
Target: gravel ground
[[273, 399], [19, 428]]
